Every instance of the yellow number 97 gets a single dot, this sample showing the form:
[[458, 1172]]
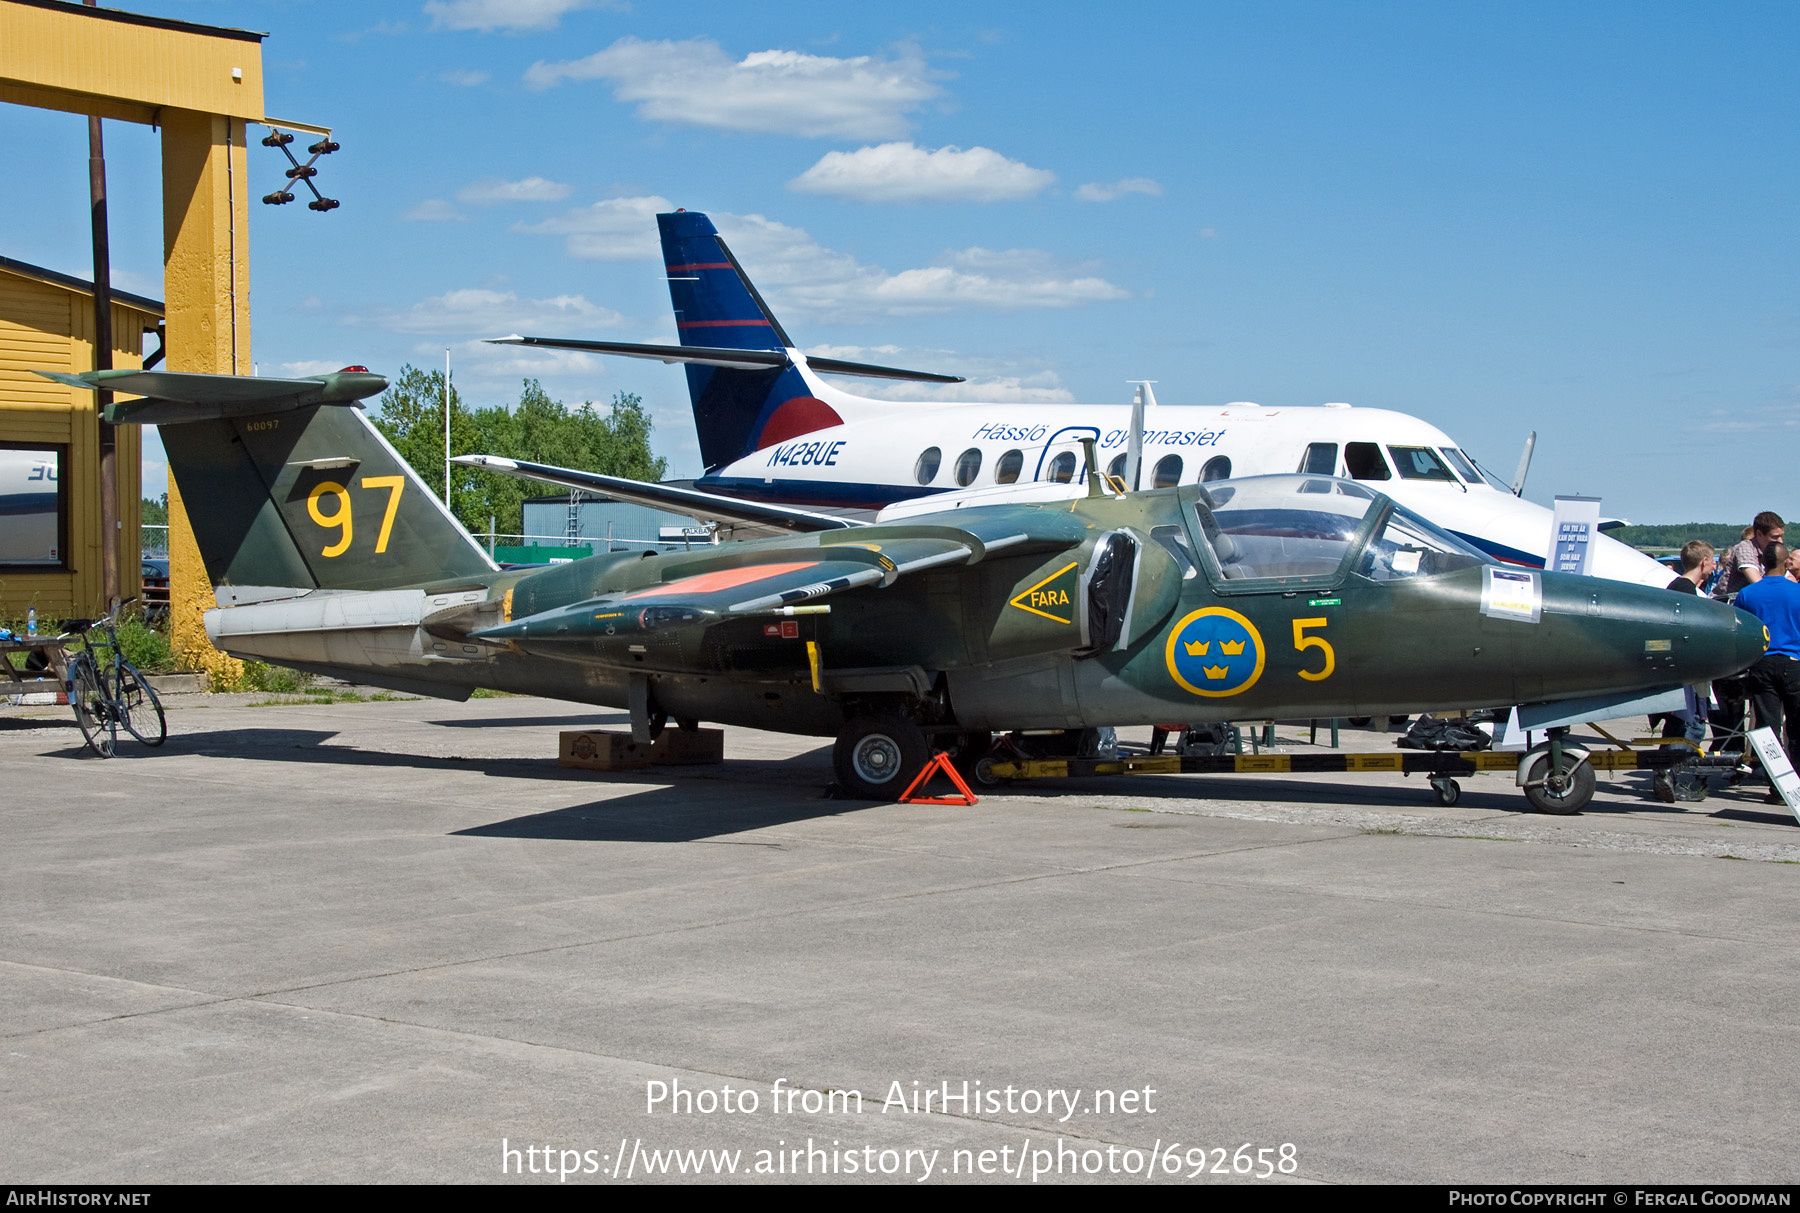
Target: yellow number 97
[[338, 517]]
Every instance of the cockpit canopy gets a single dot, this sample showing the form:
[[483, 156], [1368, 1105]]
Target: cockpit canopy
[[1273, 530]]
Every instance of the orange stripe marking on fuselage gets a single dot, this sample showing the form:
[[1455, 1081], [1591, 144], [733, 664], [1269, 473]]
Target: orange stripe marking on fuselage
[[724, 579]]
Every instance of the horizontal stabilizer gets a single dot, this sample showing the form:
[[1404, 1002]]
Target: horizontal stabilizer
[[772, 519], [172, 397], [740, 360]]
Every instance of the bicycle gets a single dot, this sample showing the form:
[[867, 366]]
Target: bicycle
[[107, 694]]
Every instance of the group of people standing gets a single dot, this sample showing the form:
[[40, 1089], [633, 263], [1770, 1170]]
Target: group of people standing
[[1759, 574]]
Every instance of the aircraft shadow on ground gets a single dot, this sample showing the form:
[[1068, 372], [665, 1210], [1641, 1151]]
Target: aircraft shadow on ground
[[588, 720], [668, 815]]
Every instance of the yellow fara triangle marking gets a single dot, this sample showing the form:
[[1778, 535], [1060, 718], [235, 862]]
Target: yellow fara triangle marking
[[1231, 648], [1197, 648], [1041, 600], [1217, 672]]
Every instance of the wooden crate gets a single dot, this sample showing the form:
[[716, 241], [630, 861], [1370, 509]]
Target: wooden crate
[[676, 748], [593, 750]]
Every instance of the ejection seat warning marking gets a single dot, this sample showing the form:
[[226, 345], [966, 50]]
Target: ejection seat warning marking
[[1781, 771], [1511, 594], [1046, 597]]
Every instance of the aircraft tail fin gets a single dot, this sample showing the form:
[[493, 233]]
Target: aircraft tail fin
[[301, 496]]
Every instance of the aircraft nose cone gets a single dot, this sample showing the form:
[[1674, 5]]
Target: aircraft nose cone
[[1717, 640], [1751, 638]]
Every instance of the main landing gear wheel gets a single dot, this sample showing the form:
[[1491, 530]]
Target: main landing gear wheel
[[876, 757], [1448, 791], [1563, 794]]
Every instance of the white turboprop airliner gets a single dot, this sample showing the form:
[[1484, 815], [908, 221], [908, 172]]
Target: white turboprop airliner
[[772, 429], [28, 507]]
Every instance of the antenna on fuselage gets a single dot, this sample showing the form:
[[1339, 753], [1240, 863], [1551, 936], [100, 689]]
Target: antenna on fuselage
[[1134, 444], [1518, 484]]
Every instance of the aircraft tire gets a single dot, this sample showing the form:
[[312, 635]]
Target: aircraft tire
[[877, 756], [1576, 793]]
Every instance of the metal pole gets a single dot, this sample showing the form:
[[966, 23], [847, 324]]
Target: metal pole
[[110, 524], [446, 429]]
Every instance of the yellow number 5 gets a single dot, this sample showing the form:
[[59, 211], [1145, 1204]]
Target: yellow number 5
[[1303, 642], [339, 517]]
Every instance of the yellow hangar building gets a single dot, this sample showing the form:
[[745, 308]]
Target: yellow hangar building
[[50, 534]]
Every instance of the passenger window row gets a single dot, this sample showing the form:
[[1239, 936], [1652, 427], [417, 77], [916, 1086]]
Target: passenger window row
[[1061, 470]]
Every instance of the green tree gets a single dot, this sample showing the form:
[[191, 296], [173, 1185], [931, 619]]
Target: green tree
[[155, 513], [614, 441]]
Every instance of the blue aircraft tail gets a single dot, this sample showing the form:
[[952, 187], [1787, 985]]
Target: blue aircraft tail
[[748, 391], [736, 411]]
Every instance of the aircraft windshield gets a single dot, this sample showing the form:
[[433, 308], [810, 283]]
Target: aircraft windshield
[[1408, 546], [1284, 527]]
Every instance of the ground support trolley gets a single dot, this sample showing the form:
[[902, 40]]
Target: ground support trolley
[[1565, 795]]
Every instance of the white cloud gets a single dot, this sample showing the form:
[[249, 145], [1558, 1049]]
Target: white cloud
[[797, 273], [433, 210], [491, 190], [1043, 388], [464, 78], [615, 229], [775, 91], [988, 380], [904, 172], [490, 15], [1098, 191], [309, 366], [488, 313]]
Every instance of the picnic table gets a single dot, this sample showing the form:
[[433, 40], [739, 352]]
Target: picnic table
[[39, 677]]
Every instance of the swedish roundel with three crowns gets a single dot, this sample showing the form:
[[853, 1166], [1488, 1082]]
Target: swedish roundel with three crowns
[[1215, 652]]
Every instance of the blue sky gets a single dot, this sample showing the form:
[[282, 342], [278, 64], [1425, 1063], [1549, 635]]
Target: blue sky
[[1578, 219]]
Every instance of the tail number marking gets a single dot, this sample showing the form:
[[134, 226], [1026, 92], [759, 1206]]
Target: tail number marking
[[342, 518], [339, 517], [392, 484], [1303, 642]]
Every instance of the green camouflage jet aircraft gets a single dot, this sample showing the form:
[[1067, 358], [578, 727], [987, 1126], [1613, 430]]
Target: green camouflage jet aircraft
[[1273, 597]]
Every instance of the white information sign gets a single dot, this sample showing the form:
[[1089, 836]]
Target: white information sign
[[1781, 771], [1574, 526], [1511, 594]]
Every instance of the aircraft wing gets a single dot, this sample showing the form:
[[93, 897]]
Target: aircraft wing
[[740, 360], [789, 579], [756, 518], [172, 397]]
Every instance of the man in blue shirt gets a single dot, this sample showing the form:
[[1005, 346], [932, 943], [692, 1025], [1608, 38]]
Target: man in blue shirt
[[1774, 681]]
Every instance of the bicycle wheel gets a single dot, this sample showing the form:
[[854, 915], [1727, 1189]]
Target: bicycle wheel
[[140, 711], [93, 710]]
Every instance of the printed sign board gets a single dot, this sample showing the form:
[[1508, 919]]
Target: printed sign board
[[1573, 528], [1781, 771]]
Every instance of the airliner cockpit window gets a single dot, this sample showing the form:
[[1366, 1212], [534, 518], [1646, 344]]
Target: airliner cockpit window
[[1320, 458], [1419, 463], [1282, 526], [1364, 462], [1408, 546], [1461, 463]]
